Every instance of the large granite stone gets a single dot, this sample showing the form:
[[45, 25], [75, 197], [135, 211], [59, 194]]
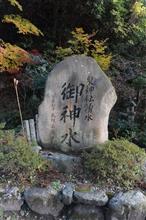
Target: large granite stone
[[63, 162], [85, 212], [67, 194], [75, 110], [130, 205], [44, 201], [98, 198], [10, 199]]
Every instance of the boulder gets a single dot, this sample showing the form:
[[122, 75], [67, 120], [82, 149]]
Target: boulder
[[44, 201], [67, 194], [10, 199], [85, 212], [74, 113], [98, 198], [63, 162], [130, 205]]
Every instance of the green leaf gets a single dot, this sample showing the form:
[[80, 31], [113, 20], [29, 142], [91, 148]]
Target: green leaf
[[15, 3]]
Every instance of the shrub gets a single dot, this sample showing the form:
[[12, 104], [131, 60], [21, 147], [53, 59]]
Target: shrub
[[17, 160], [115, 162]]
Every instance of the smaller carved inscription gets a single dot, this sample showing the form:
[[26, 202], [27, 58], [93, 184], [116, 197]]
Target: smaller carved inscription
[[89, 98]]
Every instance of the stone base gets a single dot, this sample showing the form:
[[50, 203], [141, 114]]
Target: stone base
[[63, 162], [67, 203]]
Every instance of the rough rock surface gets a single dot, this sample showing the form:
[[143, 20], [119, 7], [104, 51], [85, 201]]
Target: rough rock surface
[[77, 102], [48, 204], [85, 212], [43, 201], [67, 194], [64, 163], [10, 199], [130, 205], [98, 198]]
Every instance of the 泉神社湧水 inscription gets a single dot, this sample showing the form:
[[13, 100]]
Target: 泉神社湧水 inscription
[[76, 106], [89, 98]]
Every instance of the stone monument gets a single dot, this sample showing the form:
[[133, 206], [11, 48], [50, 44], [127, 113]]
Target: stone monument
[[77, 102]]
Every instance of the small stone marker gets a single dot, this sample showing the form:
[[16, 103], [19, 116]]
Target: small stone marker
[[75, 110]]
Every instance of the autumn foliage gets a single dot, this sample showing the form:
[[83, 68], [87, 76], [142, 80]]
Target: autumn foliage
[[12, 57], [82, 43]]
